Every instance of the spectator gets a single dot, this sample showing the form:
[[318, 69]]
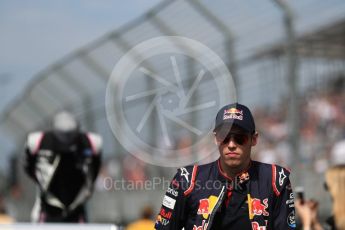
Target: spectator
[[145, 222], [307, 211], [134, 169], [4, 217], [338, 153]]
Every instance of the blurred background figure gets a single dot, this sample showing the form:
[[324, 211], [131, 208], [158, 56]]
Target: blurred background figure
[[335, 182], [308, 210], [338, 152], [134, 169], [145, 222], [64, 163]]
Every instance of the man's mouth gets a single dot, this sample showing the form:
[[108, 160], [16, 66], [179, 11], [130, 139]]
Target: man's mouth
[[232, 154]]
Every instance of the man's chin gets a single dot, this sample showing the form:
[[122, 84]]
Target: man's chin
[[233, 163]]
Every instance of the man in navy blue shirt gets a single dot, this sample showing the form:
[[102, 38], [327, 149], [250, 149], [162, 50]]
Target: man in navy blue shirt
[[233, 192]]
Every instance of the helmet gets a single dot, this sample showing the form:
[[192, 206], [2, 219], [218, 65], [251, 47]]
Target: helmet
[[65, 127]]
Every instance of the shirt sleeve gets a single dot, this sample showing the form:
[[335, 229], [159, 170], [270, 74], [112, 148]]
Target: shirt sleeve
[[96, 165], [29, 164], [284, 209], [174, 211]]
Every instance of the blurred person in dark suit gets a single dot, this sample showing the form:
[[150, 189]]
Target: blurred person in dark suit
[[64, 163]]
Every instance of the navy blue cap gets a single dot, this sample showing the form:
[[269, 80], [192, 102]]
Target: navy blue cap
[[235, 114]]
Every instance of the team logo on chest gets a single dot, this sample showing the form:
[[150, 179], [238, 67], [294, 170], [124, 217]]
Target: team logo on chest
[[206, 206], [256, 226], [257, 207], [203, 226]]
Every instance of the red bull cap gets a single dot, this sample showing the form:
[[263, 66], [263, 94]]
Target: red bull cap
[[235, 114]]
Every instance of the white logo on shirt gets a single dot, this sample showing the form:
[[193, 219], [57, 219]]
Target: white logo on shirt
[[282, 177]]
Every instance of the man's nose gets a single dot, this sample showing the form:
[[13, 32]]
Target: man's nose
[[232, 144]]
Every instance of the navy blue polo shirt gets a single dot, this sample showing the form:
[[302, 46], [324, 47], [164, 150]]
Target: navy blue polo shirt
[[234, 212]]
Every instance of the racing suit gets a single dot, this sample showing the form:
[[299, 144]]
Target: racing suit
[[203, 198], [65, 174]]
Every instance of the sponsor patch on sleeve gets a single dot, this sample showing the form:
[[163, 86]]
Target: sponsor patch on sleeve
[[279, 178], [169, 202], [291, 220]]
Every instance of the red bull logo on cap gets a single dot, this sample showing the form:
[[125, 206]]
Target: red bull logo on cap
[[233, 113], [257, 208]]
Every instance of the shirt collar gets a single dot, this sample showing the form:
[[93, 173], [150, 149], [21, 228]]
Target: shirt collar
[[241, 178]]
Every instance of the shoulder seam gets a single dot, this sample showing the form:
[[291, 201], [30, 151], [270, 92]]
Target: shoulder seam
[[274, 173], [192, 183], [95, 142], [36, 139]]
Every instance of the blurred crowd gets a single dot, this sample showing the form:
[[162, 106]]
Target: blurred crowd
[[322, 129], [322, 136]]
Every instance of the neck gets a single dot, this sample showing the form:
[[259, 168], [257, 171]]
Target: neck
[[232, 172]]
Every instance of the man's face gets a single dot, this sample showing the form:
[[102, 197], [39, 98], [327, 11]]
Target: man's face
[[235, 148]]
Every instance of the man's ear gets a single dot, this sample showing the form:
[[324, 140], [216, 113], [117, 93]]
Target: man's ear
[[215, 139], [255, 138]]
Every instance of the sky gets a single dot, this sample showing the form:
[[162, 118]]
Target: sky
[[36, 33]]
